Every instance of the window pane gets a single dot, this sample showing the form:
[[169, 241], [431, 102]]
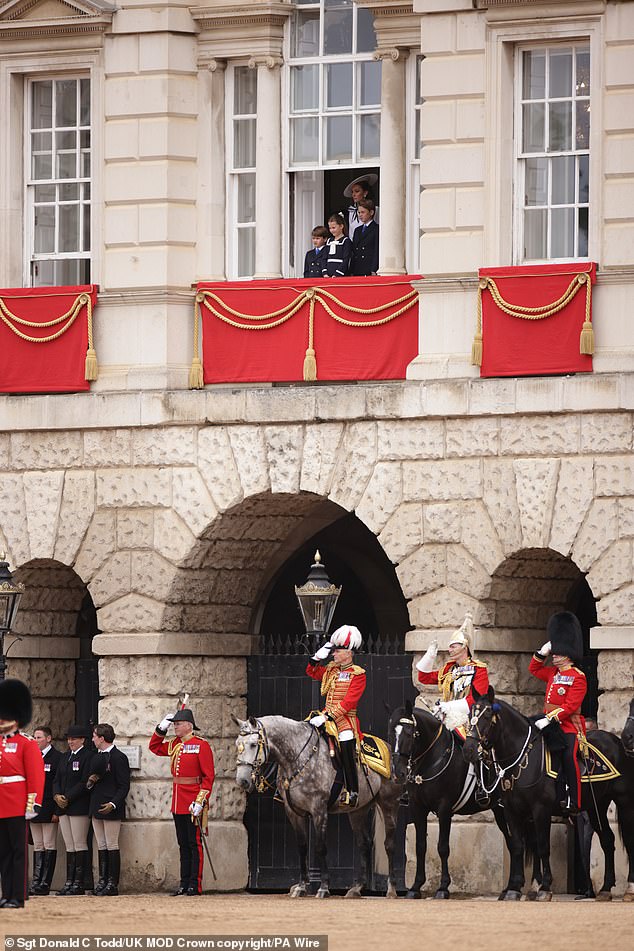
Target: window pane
[[534, 75], [44, 229], [338, 138], [44, 193], [584, 177], [84, 101], [563, 172], [366, 37], [246, 252], [245, 91], [246, 198], [69, 192], [84, 139], [85, 164], [337, 26], [305, 87], [304, 141], [417, 141], [560, 126], [68, 228], [86, 228], [562, 240], [244, 133], [582, 129], [305, 38], [66, 140], [65, 102], [42, 105], [339, 85], [42, 166], [533, 128], [418, 91], [369, 137], [42, 274], [66, 165], [536, 182], [582, 250], [41, 141], [369, 84], [560, 80], [583, 73], [535, 222]]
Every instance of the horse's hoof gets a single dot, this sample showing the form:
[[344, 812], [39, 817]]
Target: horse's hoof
[[502, 895], [607, 896], [415, 893], [544, 896], [323, 892], [442, 893], [531, 896], [512, 896], [391, 892], [297, 891], [628, 896], [354, 892]]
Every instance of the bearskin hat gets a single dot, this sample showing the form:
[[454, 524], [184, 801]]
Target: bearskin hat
[[348, 637], [15, 702], [565, 635]]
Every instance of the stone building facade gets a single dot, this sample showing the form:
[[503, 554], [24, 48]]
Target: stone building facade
[[149, 522]]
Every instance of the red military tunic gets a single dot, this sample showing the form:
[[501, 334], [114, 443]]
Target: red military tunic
[[192, 766], [455, 681], [565, 690], [21, 775], [342, 687]]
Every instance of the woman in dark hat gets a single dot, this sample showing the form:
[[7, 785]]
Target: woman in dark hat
[[73, 799], [358, 189]]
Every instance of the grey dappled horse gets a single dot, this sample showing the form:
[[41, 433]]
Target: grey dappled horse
[[305, 776]]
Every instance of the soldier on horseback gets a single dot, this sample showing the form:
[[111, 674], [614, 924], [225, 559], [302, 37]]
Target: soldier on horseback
[[342, 685], [456, 678], [565, 690]]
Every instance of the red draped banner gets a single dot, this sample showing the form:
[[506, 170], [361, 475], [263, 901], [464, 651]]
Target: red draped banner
[[286, 330], [46, 339], [535, 320]]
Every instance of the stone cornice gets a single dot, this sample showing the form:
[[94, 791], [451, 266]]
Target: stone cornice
[[76, 18], [209, 18]]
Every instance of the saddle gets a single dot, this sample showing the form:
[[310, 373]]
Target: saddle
[[594, 766], [373, 752]]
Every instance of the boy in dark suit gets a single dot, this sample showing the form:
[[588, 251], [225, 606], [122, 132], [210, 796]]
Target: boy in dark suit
[[365, 241], [109, 784], [313, 262]]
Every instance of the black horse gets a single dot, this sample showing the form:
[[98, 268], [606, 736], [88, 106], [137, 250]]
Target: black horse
[[500, 734], [626, 767], [428, 757]]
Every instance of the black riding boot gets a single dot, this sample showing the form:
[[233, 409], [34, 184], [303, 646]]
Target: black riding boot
[[351, 795], [70, 873], [36, 881], [114, 870], [77, 888], [48, 870], [103, 872], [570, 803]]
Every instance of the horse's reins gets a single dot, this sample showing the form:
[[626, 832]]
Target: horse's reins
[[260, 781], [500, 771], [411, 763]]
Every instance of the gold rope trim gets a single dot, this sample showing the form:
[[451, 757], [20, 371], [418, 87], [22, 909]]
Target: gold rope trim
[[580, 280], [68, 319], [276, 318]]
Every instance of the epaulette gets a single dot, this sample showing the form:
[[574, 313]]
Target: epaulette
[[578, 669], [27, 735], [356, 669], [478, 663]]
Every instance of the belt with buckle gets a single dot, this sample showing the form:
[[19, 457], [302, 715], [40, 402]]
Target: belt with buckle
[[12, 779]]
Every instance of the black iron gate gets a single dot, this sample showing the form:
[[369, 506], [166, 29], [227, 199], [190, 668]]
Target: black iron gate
[[277, 684]]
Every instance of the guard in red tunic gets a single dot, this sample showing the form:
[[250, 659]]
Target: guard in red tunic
[[456, 678], [342, 685], [565, 690], [192, 766], [21, 789]]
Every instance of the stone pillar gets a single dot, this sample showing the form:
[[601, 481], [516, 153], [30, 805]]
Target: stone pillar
[[211, 237], [268, 165], [393, 184]]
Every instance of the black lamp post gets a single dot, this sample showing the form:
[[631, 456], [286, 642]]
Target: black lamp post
[[10, 594], [317, 598]]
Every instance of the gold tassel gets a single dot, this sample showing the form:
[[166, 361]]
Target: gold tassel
[[196, 381], [586, 340], [476, 350], [310, 365], [92, 369]]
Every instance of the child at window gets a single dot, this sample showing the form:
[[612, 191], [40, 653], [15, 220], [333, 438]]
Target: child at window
[[337, 262], [365, 250], [314, 260]]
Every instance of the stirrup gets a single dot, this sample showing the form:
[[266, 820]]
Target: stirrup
[[349, 798]]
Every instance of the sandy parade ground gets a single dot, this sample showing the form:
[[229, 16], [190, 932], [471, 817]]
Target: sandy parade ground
[[353, 925]]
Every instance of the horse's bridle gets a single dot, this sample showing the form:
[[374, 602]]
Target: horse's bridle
[[412, 776], [259, 780], [486, 753]]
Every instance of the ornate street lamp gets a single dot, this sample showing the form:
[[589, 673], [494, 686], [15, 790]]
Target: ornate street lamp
[[317, 598], [10, 594]]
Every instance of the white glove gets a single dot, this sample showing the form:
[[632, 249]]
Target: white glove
[[165, 722], [545, 649], [541, 724], [195, 809], [30, 814], [455, 708], [323, 652], [427, 661], [319, 720]]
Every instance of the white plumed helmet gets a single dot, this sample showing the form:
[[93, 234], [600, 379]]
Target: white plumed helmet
[[465, 633], [348, 637]]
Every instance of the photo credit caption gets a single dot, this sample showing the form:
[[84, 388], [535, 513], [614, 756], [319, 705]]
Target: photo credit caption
[[243, 942]]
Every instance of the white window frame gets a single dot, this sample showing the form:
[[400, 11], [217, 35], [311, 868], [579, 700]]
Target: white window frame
[[233, 174], [522, 157], [30, 255], [501, 240], [14, 73], [413, 108]]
